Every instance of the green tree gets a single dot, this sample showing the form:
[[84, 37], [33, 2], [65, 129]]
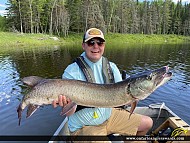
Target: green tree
[[118, 16], [166, 20], [2, 23], [76, 12]]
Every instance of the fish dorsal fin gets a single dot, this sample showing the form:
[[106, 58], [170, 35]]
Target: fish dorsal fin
[[31, 109], [32, 80]]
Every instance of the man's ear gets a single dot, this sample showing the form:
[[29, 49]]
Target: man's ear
[[83, 45]]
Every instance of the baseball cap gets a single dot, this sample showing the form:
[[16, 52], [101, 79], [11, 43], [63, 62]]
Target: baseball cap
[[92, 33]]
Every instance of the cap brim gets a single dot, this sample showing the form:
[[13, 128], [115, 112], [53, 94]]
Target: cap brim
[[94, 37]]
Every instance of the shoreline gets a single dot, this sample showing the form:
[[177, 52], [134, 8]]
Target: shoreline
[[9, 39]]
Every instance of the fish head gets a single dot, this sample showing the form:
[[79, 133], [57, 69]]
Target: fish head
[[142, 85], [160, 76]]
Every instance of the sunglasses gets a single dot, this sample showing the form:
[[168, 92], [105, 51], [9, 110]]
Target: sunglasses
[[91, 43]]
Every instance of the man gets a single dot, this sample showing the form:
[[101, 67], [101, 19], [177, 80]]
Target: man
[[90, 66]]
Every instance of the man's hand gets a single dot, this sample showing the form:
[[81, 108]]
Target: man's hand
[[62, 101]]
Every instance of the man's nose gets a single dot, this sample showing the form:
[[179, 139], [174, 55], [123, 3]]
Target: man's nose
[[96, 45]]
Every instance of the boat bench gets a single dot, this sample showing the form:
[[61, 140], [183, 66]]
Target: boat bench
[[175, 123]]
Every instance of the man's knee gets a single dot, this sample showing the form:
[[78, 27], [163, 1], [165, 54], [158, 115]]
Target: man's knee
[[149, 122], [146, 123]]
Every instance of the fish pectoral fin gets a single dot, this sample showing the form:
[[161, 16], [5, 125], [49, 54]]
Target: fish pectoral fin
[[133, 106], [68, 108], [31, 109]]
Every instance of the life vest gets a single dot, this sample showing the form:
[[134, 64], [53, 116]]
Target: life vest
[[88, 73]]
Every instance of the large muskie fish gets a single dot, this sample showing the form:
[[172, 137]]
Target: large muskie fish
[[134, 88]]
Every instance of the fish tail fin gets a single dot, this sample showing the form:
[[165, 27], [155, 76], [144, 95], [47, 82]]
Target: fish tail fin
[[68, 108], [31, 109], [19, 111], [133, 106]]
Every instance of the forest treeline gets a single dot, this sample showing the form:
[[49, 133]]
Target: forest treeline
[[61, 17]]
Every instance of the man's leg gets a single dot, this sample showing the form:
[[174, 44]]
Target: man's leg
[[122, 123], [145, 126]]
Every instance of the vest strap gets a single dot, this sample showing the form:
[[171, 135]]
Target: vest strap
[[107, 71], [87, 71]]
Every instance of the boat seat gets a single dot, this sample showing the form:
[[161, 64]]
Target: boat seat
[[174, 123]]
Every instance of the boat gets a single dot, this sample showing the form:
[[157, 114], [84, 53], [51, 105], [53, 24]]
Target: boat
[[165, 122]]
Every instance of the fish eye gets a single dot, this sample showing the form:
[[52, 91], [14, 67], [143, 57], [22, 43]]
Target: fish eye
[[149, 77]]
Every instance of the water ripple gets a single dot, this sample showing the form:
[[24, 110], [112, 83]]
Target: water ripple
[[9, 85]]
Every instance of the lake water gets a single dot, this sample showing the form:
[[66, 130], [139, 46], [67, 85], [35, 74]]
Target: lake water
[[50, 62]]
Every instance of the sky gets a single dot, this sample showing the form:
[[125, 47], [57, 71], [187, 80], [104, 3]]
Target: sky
[[3, 5]]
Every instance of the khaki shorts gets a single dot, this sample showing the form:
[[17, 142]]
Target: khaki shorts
[[118, 123]]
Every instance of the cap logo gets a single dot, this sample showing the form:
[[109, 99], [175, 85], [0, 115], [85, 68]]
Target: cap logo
[[94, 32]]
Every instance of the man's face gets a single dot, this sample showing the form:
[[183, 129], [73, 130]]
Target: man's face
[[94, 49]]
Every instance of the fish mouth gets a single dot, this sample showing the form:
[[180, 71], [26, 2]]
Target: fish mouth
[[164, 76], [167, 68], [167, 74]]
